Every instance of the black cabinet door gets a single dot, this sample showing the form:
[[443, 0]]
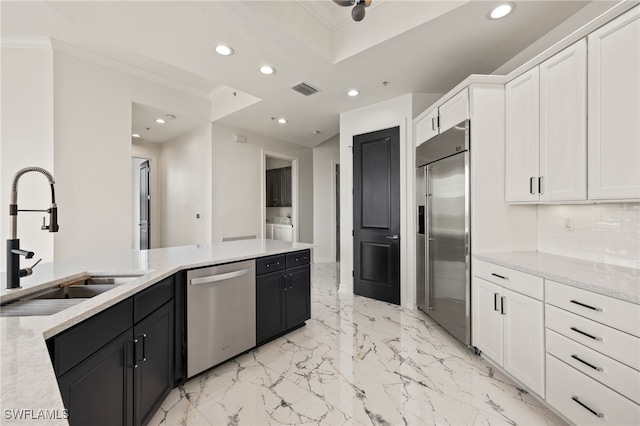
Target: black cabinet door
[[99, 390], [273, 188], [298, 295], [270, 306], [286, 187], [154, 358]]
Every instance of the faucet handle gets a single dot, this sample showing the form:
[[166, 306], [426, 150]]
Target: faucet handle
[[44, 226], [28, 271]]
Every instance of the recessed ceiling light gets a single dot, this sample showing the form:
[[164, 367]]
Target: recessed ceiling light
[[160, 120], [136, 135], [316, 132], [353, 92], [224, 50], [501, 10], [282, 120], [267, 70]]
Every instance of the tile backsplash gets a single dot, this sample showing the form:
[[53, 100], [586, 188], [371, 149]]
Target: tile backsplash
[[608, 233]]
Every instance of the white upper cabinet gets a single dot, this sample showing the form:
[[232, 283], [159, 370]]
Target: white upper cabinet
[[546, 125], [455, 110], [614, 109], [427, 127], [522, 126], [563, 125]]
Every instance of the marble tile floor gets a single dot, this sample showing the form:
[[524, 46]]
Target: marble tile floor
[[357, 362]]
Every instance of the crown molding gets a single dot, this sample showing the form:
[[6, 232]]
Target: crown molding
[[25, 42]]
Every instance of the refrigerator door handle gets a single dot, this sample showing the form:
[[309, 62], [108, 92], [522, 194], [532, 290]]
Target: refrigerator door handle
[[427, 231]]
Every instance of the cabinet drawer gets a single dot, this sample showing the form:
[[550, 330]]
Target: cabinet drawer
[[608, 371], [264, 265], [567, 389], [298, 258], [606, 340], [617, 313], [520, 282], [150, 299], [77, 343]]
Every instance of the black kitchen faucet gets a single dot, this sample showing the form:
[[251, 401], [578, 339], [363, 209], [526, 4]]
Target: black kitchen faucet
[[14, 273]]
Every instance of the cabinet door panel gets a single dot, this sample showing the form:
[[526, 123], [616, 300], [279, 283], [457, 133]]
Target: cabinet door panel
[[298, 296], [427, 127], [524, 340], [563, 125], [99, 391], [614, 108], [154, 353], [270, 306], [487, 321], [455, 110], [522, 129]]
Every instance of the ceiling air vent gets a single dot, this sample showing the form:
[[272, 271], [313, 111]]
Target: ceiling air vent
[[305, 89]]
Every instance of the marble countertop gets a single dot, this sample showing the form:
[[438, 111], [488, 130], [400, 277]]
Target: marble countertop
[[27, 379], [610, 280]]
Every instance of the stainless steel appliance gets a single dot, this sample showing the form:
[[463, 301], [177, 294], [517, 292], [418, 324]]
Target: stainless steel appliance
[[443, 241], [221, 314]]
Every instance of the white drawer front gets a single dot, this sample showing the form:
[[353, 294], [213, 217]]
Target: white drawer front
[[567, 389], [609, 341], [617, 376], [520, 282], [617, 313]]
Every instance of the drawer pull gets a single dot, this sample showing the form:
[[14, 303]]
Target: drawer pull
[[586, 363], [586, 306], [500, 276], [577, 401], [495, 301], [590, 336], [502, 306]]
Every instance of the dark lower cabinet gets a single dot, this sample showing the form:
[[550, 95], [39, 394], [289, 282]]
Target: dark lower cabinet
[[125, 379], [298, 296], [153, 380], [283, 298], [99, 390]]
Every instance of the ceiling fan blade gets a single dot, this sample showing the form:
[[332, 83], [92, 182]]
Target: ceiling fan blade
[[345, 2]]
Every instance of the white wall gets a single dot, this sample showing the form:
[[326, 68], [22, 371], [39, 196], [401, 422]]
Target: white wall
[[27, 140], [92, 155], [608, 233], [383, 115], [238, 206], [185, 182], [325, 158]]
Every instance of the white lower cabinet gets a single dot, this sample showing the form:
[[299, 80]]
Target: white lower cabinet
[[508, 327], [593, 356], [585, 401]]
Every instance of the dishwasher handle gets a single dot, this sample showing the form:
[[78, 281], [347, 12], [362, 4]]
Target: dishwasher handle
[[219, 277]]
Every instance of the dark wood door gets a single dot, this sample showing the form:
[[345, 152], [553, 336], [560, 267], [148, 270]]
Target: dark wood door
[[298, 292], [154, 357], [376, 214], [145, 207], [270, 306], [99, 391]]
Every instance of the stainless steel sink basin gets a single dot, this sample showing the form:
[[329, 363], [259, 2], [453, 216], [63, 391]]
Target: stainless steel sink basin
[[56, 299]]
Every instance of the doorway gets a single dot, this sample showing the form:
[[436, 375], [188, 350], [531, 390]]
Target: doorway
[[280, 197], [141, 203], [337, 212], [376, 215]]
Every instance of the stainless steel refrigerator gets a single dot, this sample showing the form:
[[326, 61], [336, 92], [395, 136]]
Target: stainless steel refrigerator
[[443, 240]]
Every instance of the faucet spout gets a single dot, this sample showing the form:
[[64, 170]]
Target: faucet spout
[[14, 273]]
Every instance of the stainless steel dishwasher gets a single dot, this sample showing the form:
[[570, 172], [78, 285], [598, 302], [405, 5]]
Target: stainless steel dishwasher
[[221, 314]]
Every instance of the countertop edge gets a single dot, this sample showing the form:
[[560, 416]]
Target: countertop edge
[[518, 261]]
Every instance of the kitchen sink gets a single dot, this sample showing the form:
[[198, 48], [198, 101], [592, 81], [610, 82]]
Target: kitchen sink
[[63, 296]]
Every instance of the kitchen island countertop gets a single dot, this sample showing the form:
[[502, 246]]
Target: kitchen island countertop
[[27, 381]]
